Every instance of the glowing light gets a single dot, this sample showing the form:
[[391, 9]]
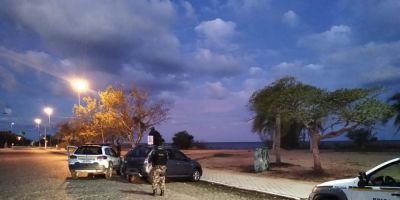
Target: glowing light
[[38, 121], [80, 85], [48, 110]]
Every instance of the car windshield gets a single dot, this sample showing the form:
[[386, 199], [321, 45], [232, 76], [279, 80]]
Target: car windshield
[[138, 152], [88, 150]]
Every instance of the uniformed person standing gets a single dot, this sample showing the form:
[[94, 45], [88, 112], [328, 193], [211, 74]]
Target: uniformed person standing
[[159, 161]]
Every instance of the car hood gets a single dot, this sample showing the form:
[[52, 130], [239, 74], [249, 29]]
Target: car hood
[[340, 183]]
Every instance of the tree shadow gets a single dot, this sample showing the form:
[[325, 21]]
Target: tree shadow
[[136, 192]]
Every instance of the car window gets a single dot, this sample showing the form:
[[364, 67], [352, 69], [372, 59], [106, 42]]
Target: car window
[[138, 152], [88, 150], [178, 155], [386, 176], [107, 152], [113, 153]]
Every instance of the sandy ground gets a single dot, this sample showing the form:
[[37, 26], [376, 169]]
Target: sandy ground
[[297, 163]]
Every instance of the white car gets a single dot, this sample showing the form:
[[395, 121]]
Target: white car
[[380, 183], [93, 159]]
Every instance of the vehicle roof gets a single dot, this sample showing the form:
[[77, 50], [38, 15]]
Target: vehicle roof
[[152, 146], [99, 145], [381, 165]]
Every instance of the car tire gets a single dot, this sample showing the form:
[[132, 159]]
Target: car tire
[[74, 175], [119, 172], [109, 171], [130, 178], [196, 175]]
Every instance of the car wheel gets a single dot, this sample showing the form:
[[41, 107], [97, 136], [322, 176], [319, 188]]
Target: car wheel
[[130, 178], [195, 175], [109, 171], [119, 171], [74, 175]]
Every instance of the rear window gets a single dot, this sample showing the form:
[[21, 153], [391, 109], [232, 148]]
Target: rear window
[[88, 150], [138, 152]]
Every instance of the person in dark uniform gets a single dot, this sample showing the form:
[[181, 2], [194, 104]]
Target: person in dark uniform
[[159, 162], [157, 138]]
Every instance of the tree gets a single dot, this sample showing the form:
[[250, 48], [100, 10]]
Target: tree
[[182, 140], [118, 113], [396, 106], [330, 114], [132, 113], [65, 132], [271, 111], [361, 137]]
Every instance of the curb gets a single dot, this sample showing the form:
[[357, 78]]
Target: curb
[[253, 190]]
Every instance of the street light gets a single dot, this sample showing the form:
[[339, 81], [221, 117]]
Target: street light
[[48, 111], [38, 121], [80, 85]]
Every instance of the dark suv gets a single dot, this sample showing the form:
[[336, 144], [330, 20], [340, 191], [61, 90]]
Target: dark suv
[[136, 162]]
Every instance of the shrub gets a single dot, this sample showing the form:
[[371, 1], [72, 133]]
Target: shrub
[[182, 140]]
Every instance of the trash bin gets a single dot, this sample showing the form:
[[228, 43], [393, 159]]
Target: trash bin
[[261, 159]]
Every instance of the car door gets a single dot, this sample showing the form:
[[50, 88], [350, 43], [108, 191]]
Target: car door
[[112, 156], [172, 164], [183, 166], [384, 183]]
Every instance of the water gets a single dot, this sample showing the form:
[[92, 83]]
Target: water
[[233, 145]]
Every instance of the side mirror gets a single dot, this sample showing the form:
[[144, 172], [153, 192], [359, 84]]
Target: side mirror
[[363, 180]]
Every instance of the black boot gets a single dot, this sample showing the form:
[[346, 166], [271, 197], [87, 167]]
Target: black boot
[[154, 192], [162, 193]]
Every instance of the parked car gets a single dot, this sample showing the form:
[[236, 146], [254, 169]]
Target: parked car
[[380, 183], [93, 159], [136, 163]]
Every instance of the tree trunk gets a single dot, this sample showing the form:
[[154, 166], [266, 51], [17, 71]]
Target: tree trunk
[[274, 141], [315, 138], [278, 139]]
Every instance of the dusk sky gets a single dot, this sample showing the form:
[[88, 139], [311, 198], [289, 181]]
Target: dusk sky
[[205, 58]]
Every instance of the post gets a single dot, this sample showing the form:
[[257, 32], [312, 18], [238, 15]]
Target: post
[[45, 137], [38, 126]]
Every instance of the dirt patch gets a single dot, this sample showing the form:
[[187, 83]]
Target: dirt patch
[[296, 164]]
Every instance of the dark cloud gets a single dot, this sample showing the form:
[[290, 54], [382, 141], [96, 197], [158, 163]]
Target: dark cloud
[[103, 35]]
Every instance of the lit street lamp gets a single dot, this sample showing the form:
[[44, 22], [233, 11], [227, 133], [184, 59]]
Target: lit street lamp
[[48, 111], [38, 121], [80, 85]]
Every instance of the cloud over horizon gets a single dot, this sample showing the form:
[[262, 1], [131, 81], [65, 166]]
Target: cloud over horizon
[[206, 58]]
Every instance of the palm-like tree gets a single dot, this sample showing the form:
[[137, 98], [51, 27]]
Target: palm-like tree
[[396, 106]]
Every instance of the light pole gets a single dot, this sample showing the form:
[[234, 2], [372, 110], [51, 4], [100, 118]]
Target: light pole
[[38, 121], [79, 85], [12, 126], [48, 111]]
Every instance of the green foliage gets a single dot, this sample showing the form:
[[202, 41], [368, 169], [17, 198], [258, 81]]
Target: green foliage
[[361, 137], [182, 140], [7, 138], [325, 114]]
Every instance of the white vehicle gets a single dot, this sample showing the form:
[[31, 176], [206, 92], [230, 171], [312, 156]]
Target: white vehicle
[[93, 159], [380, 183]]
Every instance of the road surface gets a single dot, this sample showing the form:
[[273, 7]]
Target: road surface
[[39, 174]]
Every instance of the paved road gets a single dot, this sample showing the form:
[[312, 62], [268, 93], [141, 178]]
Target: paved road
[[36, 174]]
